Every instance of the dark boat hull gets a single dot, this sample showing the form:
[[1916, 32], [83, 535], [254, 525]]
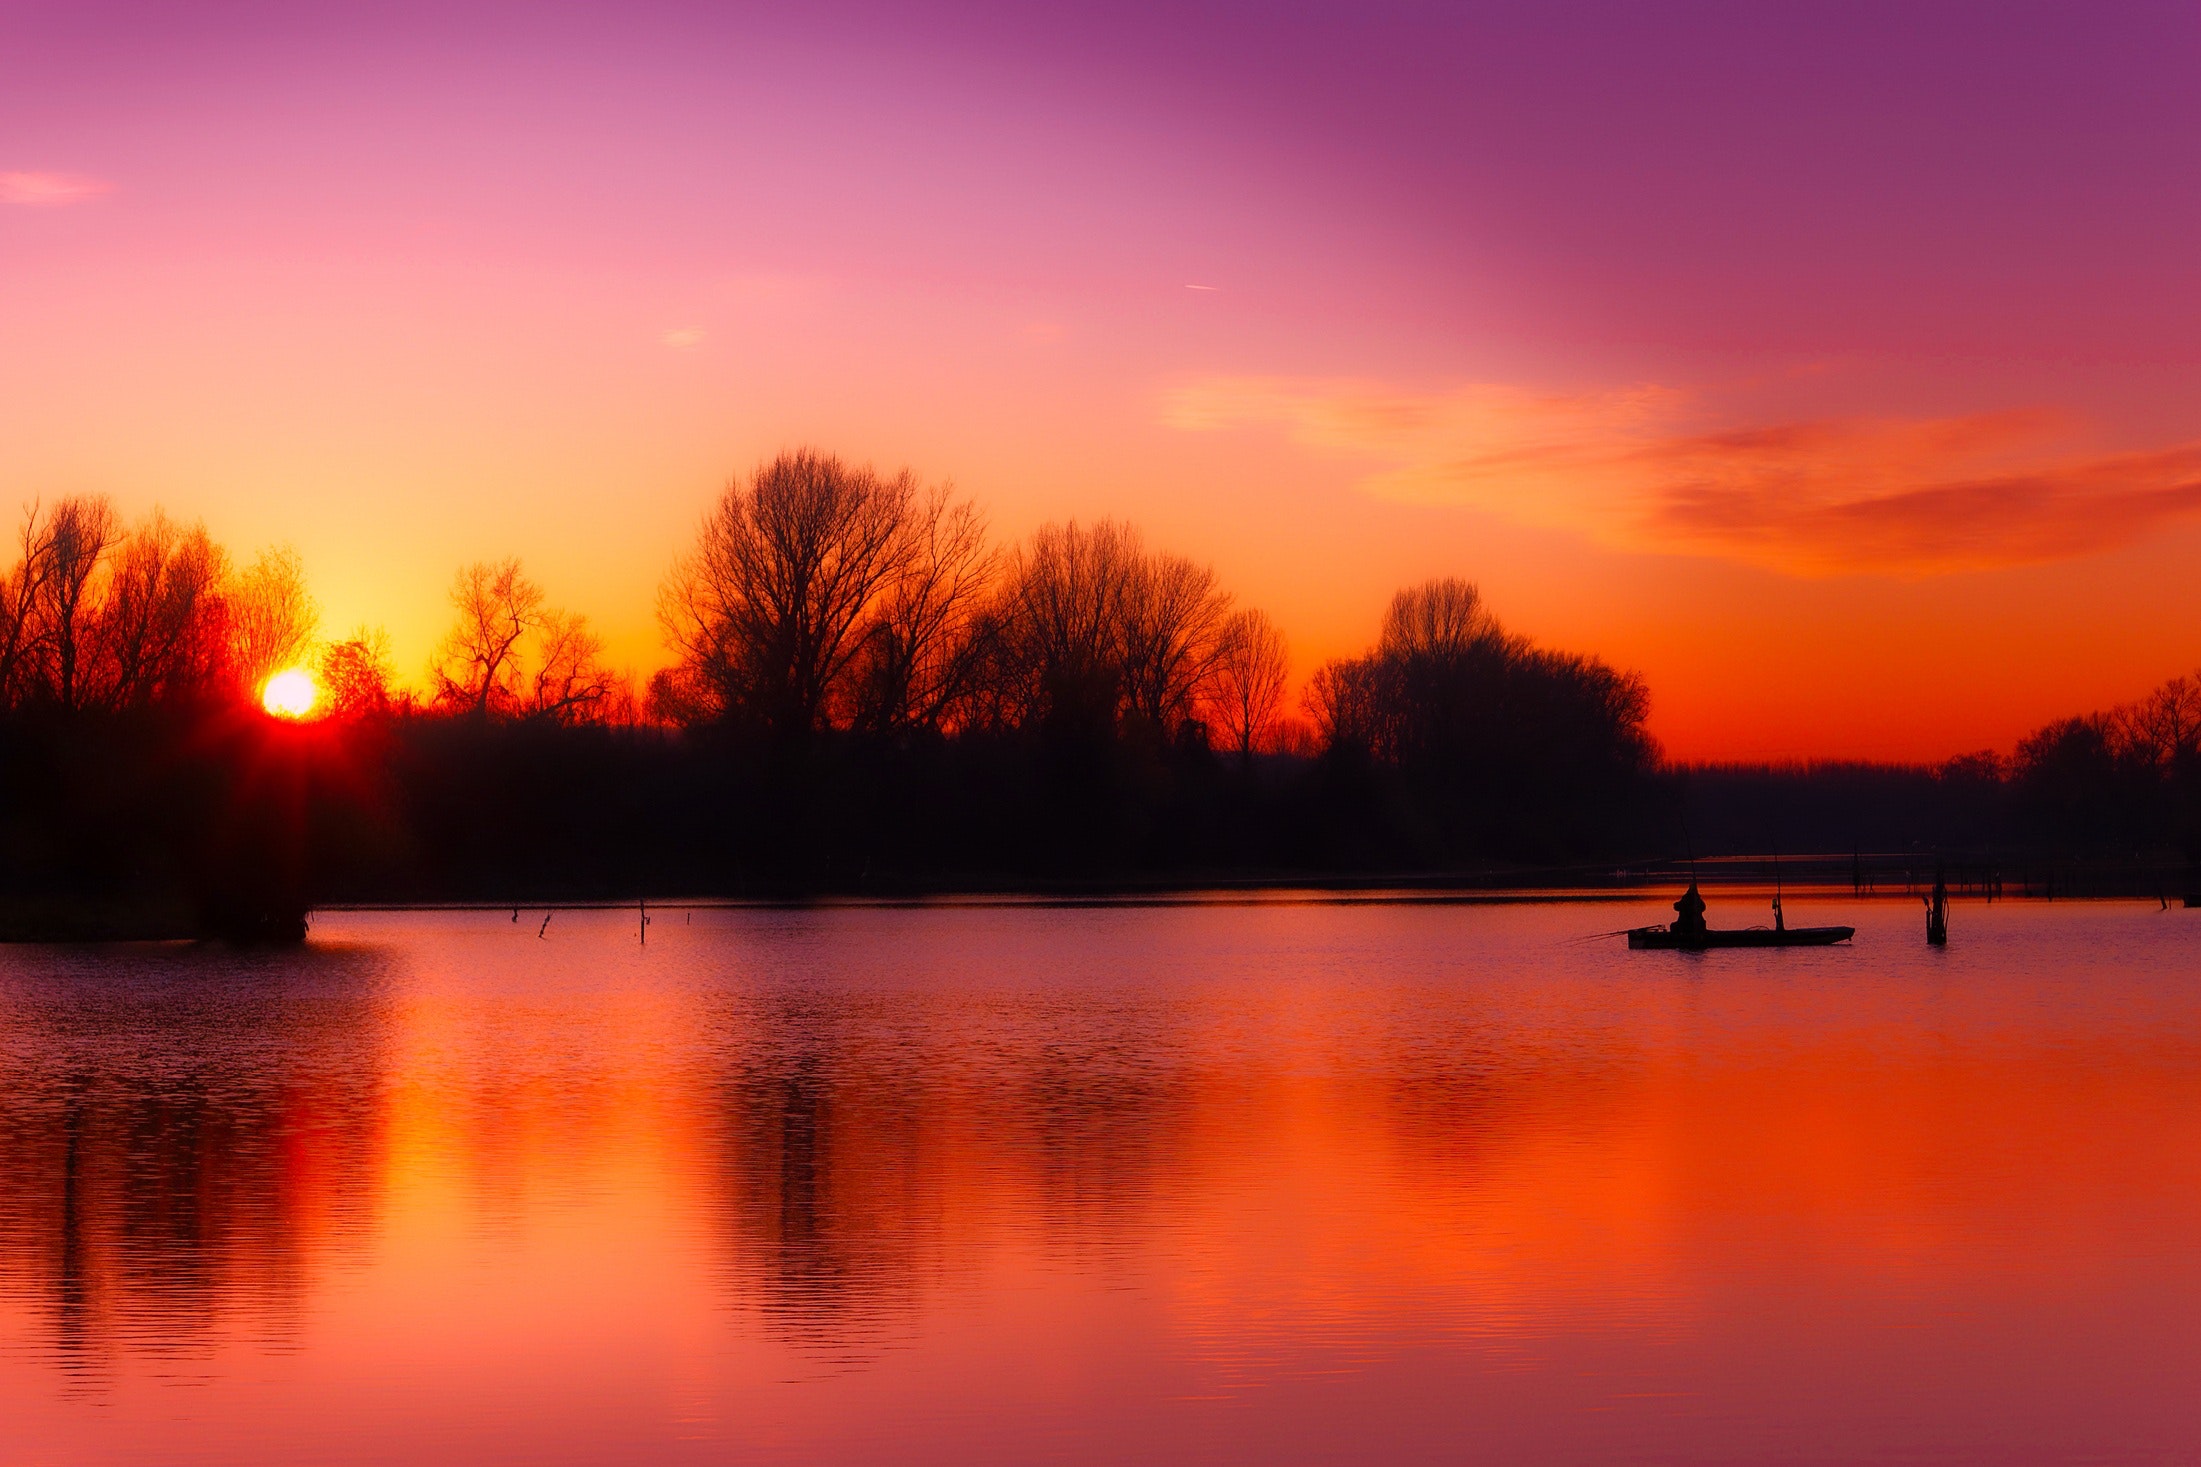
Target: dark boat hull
[[1667, 939]]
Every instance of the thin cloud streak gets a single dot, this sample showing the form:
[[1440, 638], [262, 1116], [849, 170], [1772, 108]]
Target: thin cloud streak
[[50, 190], [1638, 470]]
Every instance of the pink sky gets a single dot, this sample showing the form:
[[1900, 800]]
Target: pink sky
[[1833, 366]]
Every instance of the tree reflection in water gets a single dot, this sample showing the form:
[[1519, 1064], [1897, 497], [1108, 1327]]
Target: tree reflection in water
[[832, 1214], [1275, 1183], [180, 1130], [876, 1145]]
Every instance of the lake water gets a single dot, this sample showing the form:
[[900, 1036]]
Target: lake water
[[1273, 1183]]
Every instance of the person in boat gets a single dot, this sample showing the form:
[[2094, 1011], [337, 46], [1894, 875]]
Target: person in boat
[[1689, 915]]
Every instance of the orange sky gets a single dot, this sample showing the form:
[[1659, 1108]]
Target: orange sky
[[1886, 451]]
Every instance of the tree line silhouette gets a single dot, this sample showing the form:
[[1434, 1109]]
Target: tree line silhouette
[[2119, 785], [866, 692]]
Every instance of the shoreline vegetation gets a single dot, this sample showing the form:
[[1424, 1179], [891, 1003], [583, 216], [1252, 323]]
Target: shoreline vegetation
[[868, 698]]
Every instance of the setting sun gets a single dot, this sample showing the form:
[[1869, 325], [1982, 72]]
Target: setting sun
[[290, 694]]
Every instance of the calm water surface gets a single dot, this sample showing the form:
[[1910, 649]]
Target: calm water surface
[[1282, 1183]]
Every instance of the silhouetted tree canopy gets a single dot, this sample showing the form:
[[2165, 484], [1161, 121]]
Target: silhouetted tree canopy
[[509, 655], [1252, 670], [96, 616], [2121, 780], [273, 618], [358, 677], [867, 692], [1496, 746], [790, 579]]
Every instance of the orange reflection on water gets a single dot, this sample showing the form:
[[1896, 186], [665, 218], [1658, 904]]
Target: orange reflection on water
[[1225, 1183]]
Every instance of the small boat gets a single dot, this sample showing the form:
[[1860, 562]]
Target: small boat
[[1668, 939], [1689, 934]]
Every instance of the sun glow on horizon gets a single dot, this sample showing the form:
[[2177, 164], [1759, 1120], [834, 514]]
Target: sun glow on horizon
[[290, 693]]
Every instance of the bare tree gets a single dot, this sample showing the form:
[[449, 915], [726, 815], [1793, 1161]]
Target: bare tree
[[1251, 668], [272, 617], [1174, 615], [1442, 672], [924, 648], [477, 667], [22, 593], [2163, 729], [78, 539], [569, 682], [357, 673], [680, 695], [768, 613], [1440, 620], [93, 616], [1345, 701], [1061, 628], [1494, 738], [512, 656], [157, 630]]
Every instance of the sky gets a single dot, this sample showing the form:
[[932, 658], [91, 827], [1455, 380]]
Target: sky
[[1833, 366]]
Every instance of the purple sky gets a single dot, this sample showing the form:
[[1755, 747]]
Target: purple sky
[[1852, 315]]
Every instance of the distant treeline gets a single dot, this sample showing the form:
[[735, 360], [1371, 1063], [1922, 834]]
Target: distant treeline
[[2117, 785], [866, 692]]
